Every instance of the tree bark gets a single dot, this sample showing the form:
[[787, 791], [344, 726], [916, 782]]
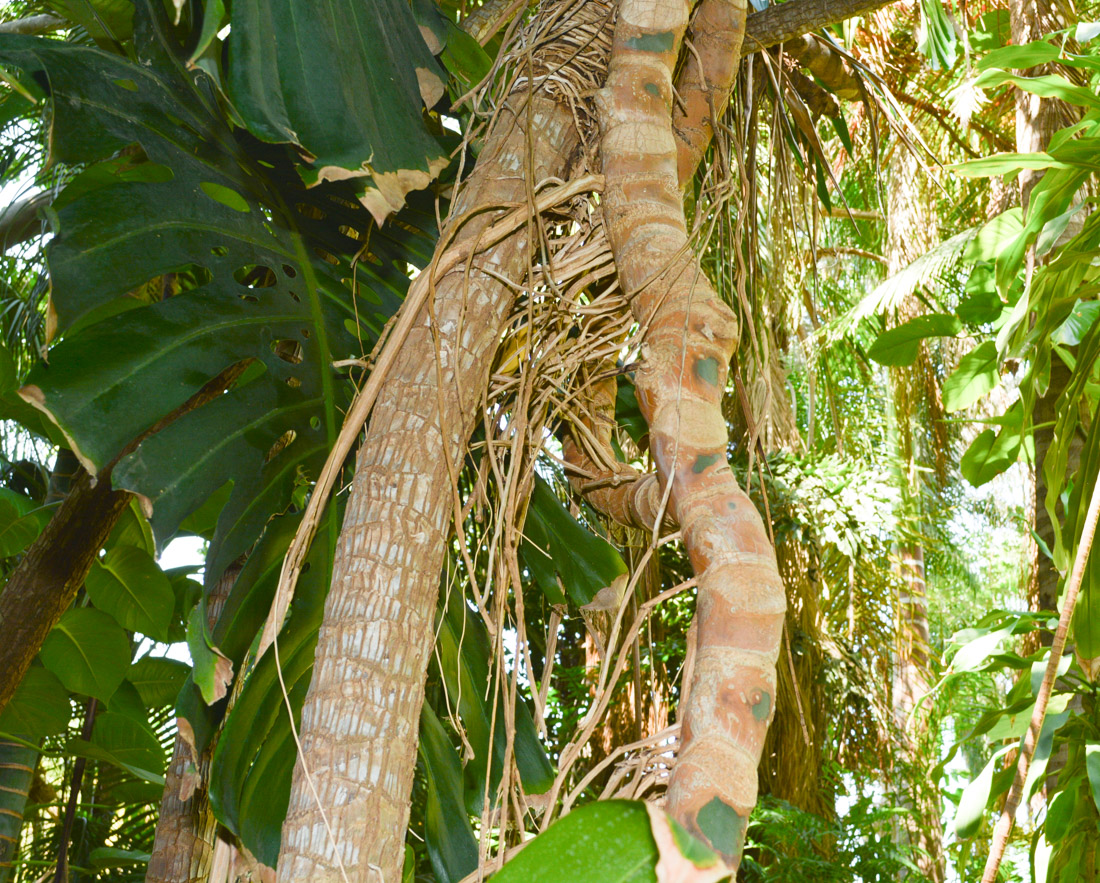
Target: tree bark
[[787, 21], [1037, 119], [33, 24], [687, 346], [183, 846], [360, 716], [46, 581]]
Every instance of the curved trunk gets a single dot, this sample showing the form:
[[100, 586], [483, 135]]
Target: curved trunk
[[360, 716], [687, 346]]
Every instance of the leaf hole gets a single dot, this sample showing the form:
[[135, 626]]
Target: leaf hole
[[290, 271], [126, 83], [255, 276], [326, 256], [281, 444], [288, 350], [305, 333], [219, 251], [251, 298], [310, 211], [314, 422], [293, 382]]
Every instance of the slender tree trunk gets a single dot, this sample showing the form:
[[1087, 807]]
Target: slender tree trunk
[[359, 719], [46, 581], [687, 346], [18, 762], [1037, 119], [911, 231], [183, 846]]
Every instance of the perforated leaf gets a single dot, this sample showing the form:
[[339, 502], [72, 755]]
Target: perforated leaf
[[256, 270], [326, 81]]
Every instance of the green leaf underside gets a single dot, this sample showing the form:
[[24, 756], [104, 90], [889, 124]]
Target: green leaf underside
[[556, 546], [128, 584], [604, 842], [452, 847], [40, 706], [340, 80], [975, 376], [158, 680], [899, 346], [88, 651], [129, 741]]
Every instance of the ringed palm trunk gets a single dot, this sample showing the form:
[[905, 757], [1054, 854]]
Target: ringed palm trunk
[[17, 763], [689, 339], [359, 718]]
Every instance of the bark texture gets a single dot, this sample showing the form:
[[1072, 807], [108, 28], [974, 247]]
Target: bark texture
[[46, 581], [781, 22], [1037, 119], [706, 80], [689, 338], [360, 716], [183, 846]]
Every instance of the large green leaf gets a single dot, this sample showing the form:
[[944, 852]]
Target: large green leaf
[[88, 651], [991, 453], [128, 584], [448, 834], [975, 376], [40, 706], [129, 741], [268, 262], [609, 841], [158, 680], [1092, 766], [971, 811], [254, 759], [899, 346], [560, 553], [463, 653], [21, 521], [325, 80]]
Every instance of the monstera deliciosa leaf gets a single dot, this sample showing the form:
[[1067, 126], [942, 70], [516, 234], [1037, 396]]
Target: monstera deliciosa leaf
[[344, 80], [189, 254]]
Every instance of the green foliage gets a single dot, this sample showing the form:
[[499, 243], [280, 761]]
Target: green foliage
[[786, 844], [564, 557], [350, 100], [606, 842]]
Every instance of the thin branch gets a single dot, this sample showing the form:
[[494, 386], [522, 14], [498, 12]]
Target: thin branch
[[33, 24], [788, 21], [1031, 737]]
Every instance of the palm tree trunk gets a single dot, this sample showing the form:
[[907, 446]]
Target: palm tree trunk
[[688, 343], [359, 719], [183, 846], [17, 763], [1037, 119]]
